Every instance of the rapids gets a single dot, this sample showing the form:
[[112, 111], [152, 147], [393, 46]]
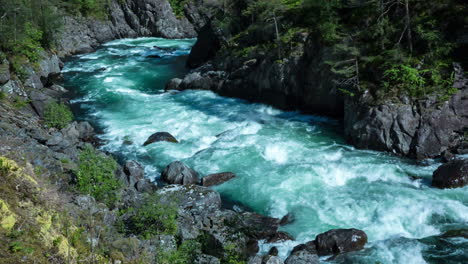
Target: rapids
[[286, 162]]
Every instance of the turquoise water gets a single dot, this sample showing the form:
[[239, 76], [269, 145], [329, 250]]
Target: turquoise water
[[286, 162]]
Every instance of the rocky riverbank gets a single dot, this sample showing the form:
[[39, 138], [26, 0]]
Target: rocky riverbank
[[428, 127]]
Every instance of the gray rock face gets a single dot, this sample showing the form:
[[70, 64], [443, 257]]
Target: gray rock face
[[4, 72], [134, 172], [173, 84], [160, 136], [423, 130], [217, 178], [451, 175], [338, 241], [13, 87], [128, 19], [40, 99], [272, 260], [179, 173], [207, 259], [303, 254]]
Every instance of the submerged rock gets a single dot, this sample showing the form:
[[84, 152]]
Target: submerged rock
[[154, 56], [338, 241], [173, 84], [217, 178], [453, 174], [179, 173], [160, 136]]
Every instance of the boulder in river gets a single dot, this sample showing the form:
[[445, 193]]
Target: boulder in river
[[179, 173], [173, 84], [217, 178], [160, 136], [453, 174], [280, 236], [337, 241], [154, 56]]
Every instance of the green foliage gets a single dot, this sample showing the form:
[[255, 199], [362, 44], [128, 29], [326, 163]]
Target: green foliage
[[57, 115], [95, 176], [232, 256], [95, 8], [153, 218], [3, 95], [178, 7], [185, 253], [418, 81], [17, 247], [29, 45], [20, 103]]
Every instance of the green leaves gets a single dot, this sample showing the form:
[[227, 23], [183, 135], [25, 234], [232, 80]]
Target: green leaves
[[95, 176], [57, 115]]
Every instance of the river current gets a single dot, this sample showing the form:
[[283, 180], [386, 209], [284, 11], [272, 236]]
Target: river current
[[286, 162]]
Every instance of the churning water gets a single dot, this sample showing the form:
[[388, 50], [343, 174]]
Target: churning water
[[286, 162]]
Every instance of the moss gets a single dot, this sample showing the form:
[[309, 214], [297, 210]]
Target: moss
[[7, 218]]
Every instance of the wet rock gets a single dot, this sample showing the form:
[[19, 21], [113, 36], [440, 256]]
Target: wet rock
[[453, 174], [287, 219], [456, 233], [173, 84], [303, 254], [252, 247], [153, 56], [280, 236], [160, 136], [217, 178], [338, 241], [179, 173], [259, 226], [273, 251]]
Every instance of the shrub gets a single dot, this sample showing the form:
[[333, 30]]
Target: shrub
[[153, 218], [95, 176], [57, 115], [185, 253]]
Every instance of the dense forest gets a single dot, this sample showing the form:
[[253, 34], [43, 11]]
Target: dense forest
[[384, 46], [28, 27]]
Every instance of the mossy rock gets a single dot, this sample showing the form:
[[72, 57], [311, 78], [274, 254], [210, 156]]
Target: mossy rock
[[7, 217]]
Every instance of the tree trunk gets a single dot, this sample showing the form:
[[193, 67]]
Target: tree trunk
[[408, 26]]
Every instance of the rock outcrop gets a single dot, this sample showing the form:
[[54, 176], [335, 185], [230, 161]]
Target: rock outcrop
[[338, 241], [423, 129], [451, 175], [139, 18], [303, 254], [179, 173]]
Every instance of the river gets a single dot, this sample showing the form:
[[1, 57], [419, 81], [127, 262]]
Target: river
[[286, 162]]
